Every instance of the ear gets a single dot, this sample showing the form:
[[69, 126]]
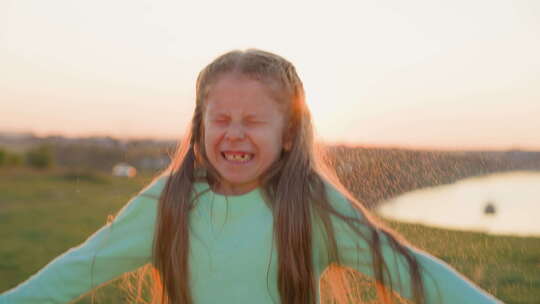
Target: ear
[[287, 144], [288, 139]]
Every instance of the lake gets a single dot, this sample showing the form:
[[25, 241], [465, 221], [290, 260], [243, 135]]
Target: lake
[[503, 203]]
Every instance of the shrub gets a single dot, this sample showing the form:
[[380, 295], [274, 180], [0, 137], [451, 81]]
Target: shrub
[[40, 157], [14, 159], [9, 159]]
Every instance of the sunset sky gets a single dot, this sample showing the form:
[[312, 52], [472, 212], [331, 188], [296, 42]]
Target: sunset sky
[[439, 74]]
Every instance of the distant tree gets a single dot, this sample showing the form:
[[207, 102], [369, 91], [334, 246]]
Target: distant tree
[[40, 157], [8, 158], [13, 159]]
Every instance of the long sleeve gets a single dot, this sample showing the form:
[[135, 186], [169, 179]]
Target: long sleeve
[[121, 246], [442, 284]]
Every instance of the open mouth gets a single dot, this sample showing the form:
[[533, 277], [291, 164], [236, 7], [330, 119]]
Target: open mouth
[[237, 157]]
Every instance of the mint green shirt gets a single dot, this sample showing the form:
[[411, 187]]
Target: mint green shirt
[[231, 256]]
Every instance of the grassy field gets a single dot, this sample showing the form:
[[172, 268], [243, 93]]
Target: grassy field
[[42, 214]]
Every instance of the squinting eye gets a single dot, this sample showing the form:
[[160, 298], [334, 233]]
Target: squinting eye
[[220, 121]]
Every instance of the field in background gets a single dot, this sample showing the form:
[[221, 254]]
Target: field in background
[[42, 214]]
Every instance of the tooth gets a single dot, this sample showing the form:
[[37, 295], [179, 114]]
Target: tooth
[[243, 157]]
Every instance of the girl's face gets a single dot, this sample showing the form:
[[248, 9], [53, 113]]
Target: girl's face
[[244, 128]]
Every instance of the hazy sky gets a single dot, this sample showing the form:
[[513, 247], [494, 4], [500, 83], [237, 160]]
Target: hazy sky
[[448, 74]]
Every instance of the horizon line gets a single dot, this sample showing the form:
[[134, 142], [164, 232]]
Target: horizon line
[[352, 144]]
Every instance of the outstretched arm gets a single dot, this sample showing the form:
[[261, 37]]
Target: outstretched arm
[[442, 284], [121, 246]]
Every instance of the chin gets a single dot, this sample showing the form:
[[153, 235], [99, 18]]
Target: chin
[[235, 181]]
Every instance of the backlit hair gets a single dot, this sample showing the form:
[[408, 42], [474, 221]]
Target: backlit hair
[[294, 187]]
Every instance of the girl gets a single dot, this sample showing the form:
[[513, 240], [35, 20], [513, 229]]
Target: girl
[[248, 213]]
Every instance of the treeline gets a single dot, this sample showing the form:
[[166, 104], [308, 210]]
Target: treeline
[[40, 157], [86, 156]]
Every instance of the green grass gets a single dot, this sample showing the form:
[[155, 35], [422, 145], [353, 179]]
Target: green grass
[[507, 267], [42, 214]]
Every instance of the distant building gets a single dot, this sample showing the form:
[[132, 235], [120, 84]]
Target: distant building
[[123, 169]]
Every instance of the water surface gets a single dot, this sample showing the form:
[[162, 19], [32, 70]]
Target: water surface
[[503, 203]]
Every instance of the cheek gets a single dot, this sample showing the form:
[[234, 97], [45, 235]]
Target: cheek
[[211, 134], [209, 142], [209, 145], [273, 138]]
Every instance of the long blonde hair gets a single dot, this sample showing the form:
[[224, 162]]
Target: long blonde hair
[[294, 188]]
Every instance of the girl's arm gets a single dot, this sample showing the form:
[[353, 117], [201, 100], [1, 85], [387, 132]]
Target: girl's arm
[[442, 284], [121, 246]]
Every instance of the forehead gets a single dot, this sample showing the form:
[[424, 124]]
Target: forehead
[[238, 93]]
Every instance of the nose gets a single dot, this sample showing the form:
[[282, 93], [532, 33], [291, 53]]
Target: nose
[[235, 132]]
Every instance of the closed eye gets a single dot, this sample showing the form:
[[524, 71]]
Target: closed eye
[[220, 120], [254, 120]]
